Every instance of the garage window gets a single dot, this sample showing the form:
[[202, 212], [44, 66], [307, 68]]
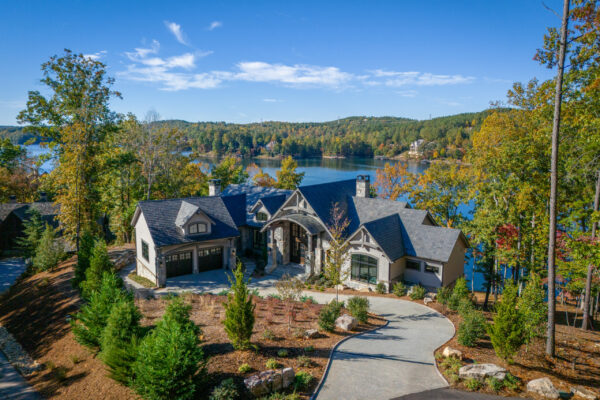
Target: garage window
[[145, 251], [432, 269], [412, 264], [364, 268], [197, 228]]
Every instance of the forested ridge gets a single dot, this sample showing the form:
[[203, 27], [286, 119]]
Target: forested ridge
[[448, 136]]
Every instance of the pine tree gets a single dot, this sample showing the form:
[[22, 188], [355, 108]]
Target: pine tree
[[239, 311], [99, 264], [170, 362], [506, 333], [86, 244], [119, 340], [90, 321], [49, 251], [32, 233], [533, 309]]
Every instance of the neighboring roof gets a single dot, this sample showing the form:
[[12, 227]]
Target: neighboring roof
[[47, 209], [253, 194], [310, 224], [7, 208], [160, 215]]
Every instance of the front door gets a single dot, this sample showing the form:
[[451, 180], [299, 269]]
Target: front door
[[297, 244]]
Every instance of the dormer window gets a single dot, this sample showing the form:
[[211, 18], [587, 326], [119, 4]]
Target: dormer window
[[261, 216], [197, 228]]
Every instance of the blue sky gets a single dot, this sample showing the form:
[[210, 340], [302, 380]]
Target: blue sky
[[248, 61]]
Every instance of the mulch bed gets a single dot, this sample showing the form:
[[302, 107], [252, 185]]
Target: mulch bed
[[36, 311]]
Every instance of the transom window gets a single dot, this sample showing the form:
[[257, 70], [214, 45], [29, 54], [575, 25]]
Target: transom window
[[197, 228], [145, 251], [432, 269], [261, 216], [412, 264], [364, 268]]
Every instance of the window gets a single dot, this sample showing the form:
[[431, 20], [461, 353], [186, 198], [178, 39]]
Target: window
[[364, 268], [432, 269], [145, 251], [261, 216], [197, 228], [259, 239], [412, 264]]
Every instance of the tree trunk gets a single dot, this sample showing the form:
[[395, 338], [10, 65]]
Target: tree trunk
[[585, 325], [554, 181]]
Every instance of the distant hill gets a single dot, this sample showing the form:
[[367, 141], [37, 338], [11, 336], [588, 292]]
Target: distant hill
[[447, 136]]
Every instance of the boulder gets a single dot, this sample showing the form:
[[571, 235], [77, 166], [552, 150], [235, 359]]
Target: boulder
[[431, 295], [310, 333], [427, 300], [583, 393], [346, 322], [256, 385], [543, 387], [482, 371], [269, 381], [450, 352], [288, 376], [364, 289]]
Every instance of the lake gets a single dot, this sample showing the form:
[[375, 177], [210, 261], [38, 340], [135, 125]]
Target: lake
[[327, 170]]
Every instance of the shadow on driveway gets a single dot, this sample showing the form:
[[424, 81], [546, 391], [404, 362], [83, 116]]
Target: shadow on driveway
[[449, 394]]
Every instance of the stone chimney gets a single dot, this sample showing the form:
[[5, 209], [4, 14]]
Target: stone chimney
[[214, 187], [363, 188], [12, 198]]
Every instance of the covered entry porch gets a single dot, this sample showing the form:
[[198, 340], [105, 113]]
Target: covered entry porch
[[295, 239]]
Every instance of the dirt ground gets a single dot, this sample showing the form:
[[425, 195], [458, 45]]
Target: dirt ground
[[36, 311]]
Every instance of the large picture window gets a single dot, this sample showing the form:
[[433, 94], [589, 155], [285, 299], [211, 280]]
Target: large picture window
[[145, 251], [364, 268]]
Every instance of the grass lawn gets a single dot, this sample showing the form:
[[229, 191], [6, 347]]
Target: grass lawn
[[147, 283]]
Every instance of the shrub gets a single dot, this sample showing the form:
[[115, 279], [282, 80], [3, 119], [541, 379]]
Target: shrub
[[494, 384], [472, 328], [399, 289], [272, 364], [328, 315], [472, 384], [239, 311], [170, 362], [451, 364], [309, 349], [242, 369], [302, 380], [49, 251], [227, 390], [460, 291], [90, 321], [381, 288], [533, 309], [418, 292], [282, 353], [443, 295], [268, 334], [99, 264], [511, 382], [308, 299], [359, 308], [304, 361], [465, 306], [120, 339], [506, 333], [86, 244]]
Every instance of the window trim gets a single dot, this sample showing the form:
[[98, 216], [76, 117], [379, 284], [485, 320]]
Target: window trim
[[197, 226], [414, 261], [266, 216], [437, 267], [372, 280], [145, 250]]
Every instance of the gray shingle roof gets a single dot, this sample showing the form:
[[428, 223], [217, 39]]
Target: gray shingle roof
[[272, 203], [387, 233], [237, 208], [253, 194], [47, 209], [322, 196], [160, 216]]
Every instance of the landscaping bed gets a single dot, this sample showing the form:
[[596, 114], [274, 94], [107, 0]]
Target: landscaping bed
[[271, 335]]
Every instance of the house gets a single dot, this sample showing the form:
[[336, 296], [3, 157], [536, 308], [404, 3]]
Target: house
[[13, 215], [416, 148], [191, 235], [387, 240]]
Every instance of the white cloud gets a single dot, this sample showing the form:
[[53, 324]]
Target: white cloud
[[214, 25], [176, 30], [308, 75], [95, 56], [397, 79], [272, 100], [407, 93]]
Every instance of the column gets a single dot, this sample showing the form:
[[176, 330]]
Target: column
[[195, 260], [308, 265]]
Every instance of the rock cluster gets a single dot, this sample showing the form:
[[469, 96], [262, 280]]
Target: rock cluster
[[583, 393], [346, 322], [269, 381], [16, 355], [124, 259], [310, 334], [482, 371], [543, 387]]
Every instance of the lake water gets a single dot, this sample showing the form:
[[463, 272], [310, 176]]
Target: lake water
[[328, 170]]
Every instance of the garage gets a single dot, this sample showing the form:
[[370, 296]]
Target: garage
[[210, 258], [179, 264]]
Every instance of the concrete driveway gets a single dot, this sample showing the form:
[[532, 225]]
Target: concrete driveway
[[389, 362], [10, 270]]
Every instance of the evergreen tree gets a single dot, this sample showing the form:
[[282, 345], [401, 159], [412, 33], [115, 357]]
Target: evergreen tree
[[86, 244], [32, 233], [533, 309], [49, 251], [99, 264], [170, 362], [90, 321], [239, 311], [506, 333], [460, 292], [119, 340]]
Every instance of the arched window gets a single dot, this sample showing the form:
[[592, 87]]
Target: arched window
[[364, 268]]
